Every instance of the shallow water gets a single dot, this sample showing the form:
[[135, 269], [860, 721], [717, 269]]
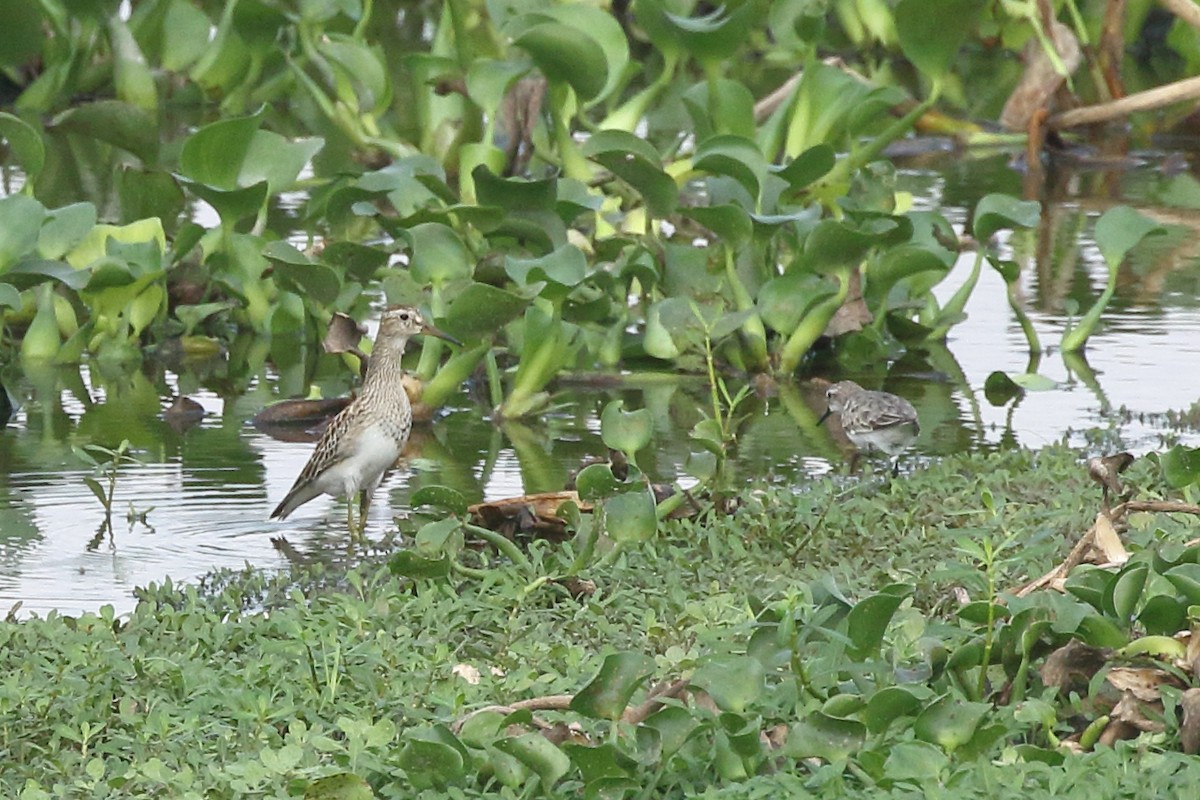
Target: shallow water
[[206, 491]]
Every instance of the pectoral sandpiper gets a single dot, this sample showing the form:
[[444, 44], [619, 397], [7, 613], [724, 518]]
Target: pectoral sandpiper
[[364, 440], [873, 419]]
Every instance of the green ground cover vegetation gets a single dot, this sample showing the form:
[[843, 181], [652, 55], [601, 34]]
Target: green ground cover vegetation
[[818, 631]]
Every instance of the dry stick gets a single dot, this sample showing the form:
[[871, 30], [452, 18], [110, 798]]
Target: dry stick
[[1177, 92], [1075, 557], [1186, 10]]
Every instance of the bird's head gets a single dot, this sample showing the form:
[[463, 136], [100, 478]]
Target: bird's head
[[406, 321]]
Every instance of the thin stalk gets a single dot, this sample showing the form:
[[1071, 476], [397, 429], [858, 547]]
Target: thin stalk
[[753, 331], [956, 304], [1075, 338], [501, 543], [812, 326]]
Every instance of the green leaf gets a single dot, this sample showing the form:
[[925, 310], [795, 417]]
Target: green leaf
[[868, 621], [811, 165], [566, 266], [1186, 579], [21, 220], [732, 681], [24, 142], [729, 222], [539, 755], [276, 160], [444, 497], [116, 123], [601, 26], [818, 735], [514, 194], [949, 722], [429, 762], [297, 272], [410, 564], [342, 786], [481, 310], [931, 32], [891, 703], [607, 695], [1181, 465], [631, 516], [438, 254], [64, 228], [566, 54], [596, 481], [214, 154], [627, 431], [231, 205], [737, 157], [635, 161], [433, 539], [488, 80], [997, 212], [1119, 230]]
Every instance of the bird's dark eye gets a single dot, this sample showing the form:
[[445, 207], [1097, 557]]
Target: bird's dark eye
[[404, 316]]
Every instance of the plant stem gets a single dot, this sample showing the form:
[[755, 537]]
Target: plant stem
[[501, 543]]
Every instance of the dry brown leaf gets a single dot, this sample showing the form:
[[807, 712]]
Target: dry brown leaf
[[1041, 78], [467, 672], [1129, 711], [1073, 662], [1189, 729], [1107, 542], [1141, 682]]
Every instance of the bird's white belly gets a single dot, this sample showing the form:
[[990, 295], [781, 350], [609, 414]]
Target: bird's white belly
[[374, 453]]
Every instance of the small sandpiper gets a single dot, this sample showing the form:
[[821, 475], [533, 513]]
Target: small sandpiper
[[873, 419], [364, 440]]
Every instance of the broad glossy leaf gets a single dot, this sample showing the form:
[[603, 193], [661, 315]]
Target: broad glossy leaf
[[921, 763], [997, 212], [713, 36], [566, 266], [539, 755], [438, 254], [214, 154], [306, 277], [567, 54], [410, 564], [1119, 230], [231, 205], [627, 431], [64, 228], [899, 263], [21, 219], [785, 300], [481, 310], [673, 726], [889, 704], [868, 621], [433, 539], [950, 722], [631, 516], [1181, 465], [1186, 578], [821, 736], [361, 67], [931, 31], [443, 497], [998, 388], [596, 481], [607, 695], [811, 165], [1033, 382], [277, 160], [1163, 614], [732, 681], [114, 122], [488, 80], [602, 27], [604, 762], [9, 298], [732, 225], [101, 240], [734, 156], [514, 194], [24, 143], [429, 762], [635, 161]]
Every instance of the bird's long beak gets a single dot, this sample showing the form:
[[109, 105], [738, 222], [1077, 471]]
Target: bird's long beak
[[430, 330], [825, 416]]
